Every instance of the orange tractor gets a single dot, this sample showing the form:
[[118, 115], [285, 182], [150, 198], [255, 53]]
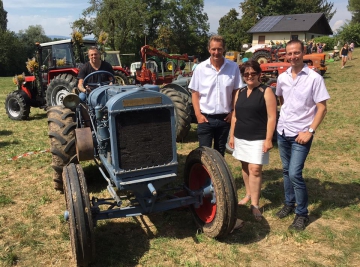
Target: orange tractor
[[277, 54]]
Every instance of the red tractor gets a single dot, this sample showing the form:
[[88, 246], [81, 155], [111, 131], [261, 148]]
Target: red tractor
[[145, 75], [54, 77], [277, 54]]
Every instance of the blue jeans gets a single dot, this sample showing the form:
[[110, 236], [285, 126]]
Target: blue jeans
[[215, 128], [82, 96], [293, 156]]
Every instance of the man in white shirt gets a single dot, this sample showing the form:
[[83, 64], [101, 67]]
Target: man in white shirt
[[214, 84]]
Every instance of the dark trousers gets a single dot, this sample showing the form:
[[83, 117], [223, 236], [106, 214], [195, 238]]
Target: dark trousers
[[216, 128]]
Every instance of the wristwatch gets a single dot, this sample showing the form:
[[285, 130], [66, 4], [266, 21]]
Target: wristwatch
[[311, 130]]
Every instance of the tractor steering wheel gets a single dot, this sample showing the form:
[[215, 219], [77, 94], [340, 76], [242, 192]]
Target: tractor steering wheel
[[99, 83]]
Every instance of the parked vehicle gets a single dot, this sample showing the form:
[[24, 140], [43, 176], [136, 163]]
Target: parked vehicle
[[140, 167], [57, 66], [232, 55]]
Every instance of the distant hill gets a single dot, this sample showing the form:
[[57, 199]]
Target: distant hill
[[59, 37]]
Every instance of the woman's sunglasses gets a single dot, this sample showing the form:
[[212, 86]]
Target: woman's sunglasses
[[247, 74]]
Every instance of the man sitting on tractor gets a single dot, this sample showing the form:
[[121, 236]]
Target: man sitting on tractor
[[94, 64]]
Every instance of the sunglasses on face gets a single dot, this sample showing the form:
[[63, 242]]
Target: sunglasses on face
[[247, 74]]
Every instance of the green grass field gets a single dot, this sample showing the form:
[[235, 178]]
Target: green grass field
[[33, 231]]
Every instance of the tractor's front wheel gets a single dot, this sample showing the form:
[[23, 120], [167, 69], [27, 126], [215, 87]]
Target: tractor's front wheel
[[61, 124], [206, 169], [59, 87], [16, 106], [182, 112], [79, 215], [121, 78]]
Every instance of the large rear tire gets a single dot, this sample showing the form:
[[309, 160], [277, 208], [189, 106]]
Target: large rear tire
[[61, 124], [59, 87], [80, 217], [262, 57], [16, 106], [206, 166], [121, 78], [182, 112]]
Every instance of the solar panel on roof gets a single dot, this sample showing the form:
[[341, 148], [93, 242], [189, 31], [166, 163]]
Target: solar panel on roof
[[266, 24]]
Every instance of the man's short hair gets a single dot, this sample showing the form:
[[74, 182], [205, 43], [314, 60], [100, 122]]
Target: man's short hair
[[217, 38], [93, 48], [296, 42]]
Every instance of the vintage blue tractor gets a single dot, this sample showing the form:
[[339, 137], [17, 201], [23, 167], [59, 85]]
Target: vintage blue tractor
[[129, 131]]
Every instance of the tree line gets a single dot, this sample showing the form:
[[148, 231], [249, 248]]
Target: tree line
[[181, 26]]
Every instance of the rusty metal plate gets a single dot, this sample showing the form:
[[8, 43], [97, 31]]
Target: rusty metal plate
[[142, 101]]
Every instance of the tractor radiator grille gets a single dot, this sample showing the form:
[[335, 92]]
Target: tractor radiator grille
[[144, 138]]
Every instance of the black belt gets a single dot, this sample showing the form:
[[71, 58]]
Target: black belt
[[216, 116]]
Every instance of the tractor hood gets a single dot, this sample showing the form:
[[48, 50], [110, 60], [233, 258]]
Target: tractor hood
[[109, 95]]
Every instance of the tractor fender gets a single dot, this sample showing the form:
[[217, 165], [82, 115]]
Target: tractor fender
[[26, 94], [84, 144], [179, 88]]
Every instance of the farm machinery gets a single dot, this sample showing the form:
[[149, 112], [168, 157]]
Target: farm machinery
[[166, 63], [277, 54], [129, 132], [55, 68], [174, 85]]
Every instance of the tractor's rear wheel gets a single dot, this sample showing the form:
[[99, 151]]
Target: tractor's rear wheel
[[61, 124], [271, 83], [79, 215], [262, 57], [16, 106], [121, 78], [59, 87], [182, 112], [216, 216]]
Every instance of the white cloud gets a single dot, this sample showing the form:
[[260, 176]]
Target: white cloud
[[51, 25], [20, 4], [337, 24]]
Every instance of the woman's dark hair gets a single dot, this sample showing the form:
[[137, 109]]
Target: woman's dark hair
[[250, 64]]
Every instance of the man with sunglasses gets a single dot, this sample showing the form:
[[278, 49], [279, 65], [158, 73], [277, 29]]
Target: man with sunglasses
[[214, 84], [303, 96]]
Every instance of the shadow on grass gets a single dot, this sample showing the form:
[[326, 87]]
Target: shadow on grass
[[5, 132], [120, 244], [37, 117], [323, 195]]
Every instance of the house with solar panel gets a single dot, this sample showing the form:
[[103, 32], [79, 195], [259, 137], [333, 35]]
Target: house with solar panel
[[283, 28]]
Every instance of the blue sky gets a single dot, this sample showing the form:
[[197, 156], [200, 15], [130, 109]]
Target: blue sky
[[56, 16]]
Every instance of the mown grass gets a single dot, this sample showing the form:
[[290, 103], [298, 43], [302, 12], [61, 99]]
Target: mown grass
[[34, 233]]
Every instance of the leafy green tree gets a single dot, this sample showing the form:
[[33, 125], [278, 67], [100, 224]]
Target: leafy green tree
[[12, 54], [350, 32], [121, 19], [229, 27], [129, 22], [30, 36], [189, 25], [284, 7], [354, 8], [3, 17]]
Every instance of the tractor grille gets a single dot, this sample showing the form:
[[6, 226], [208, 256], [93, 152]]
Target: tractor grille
[[144, 138]]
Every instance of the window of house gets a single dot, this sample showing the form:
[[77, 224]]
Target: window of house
[[261, 39], [294, 37]]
